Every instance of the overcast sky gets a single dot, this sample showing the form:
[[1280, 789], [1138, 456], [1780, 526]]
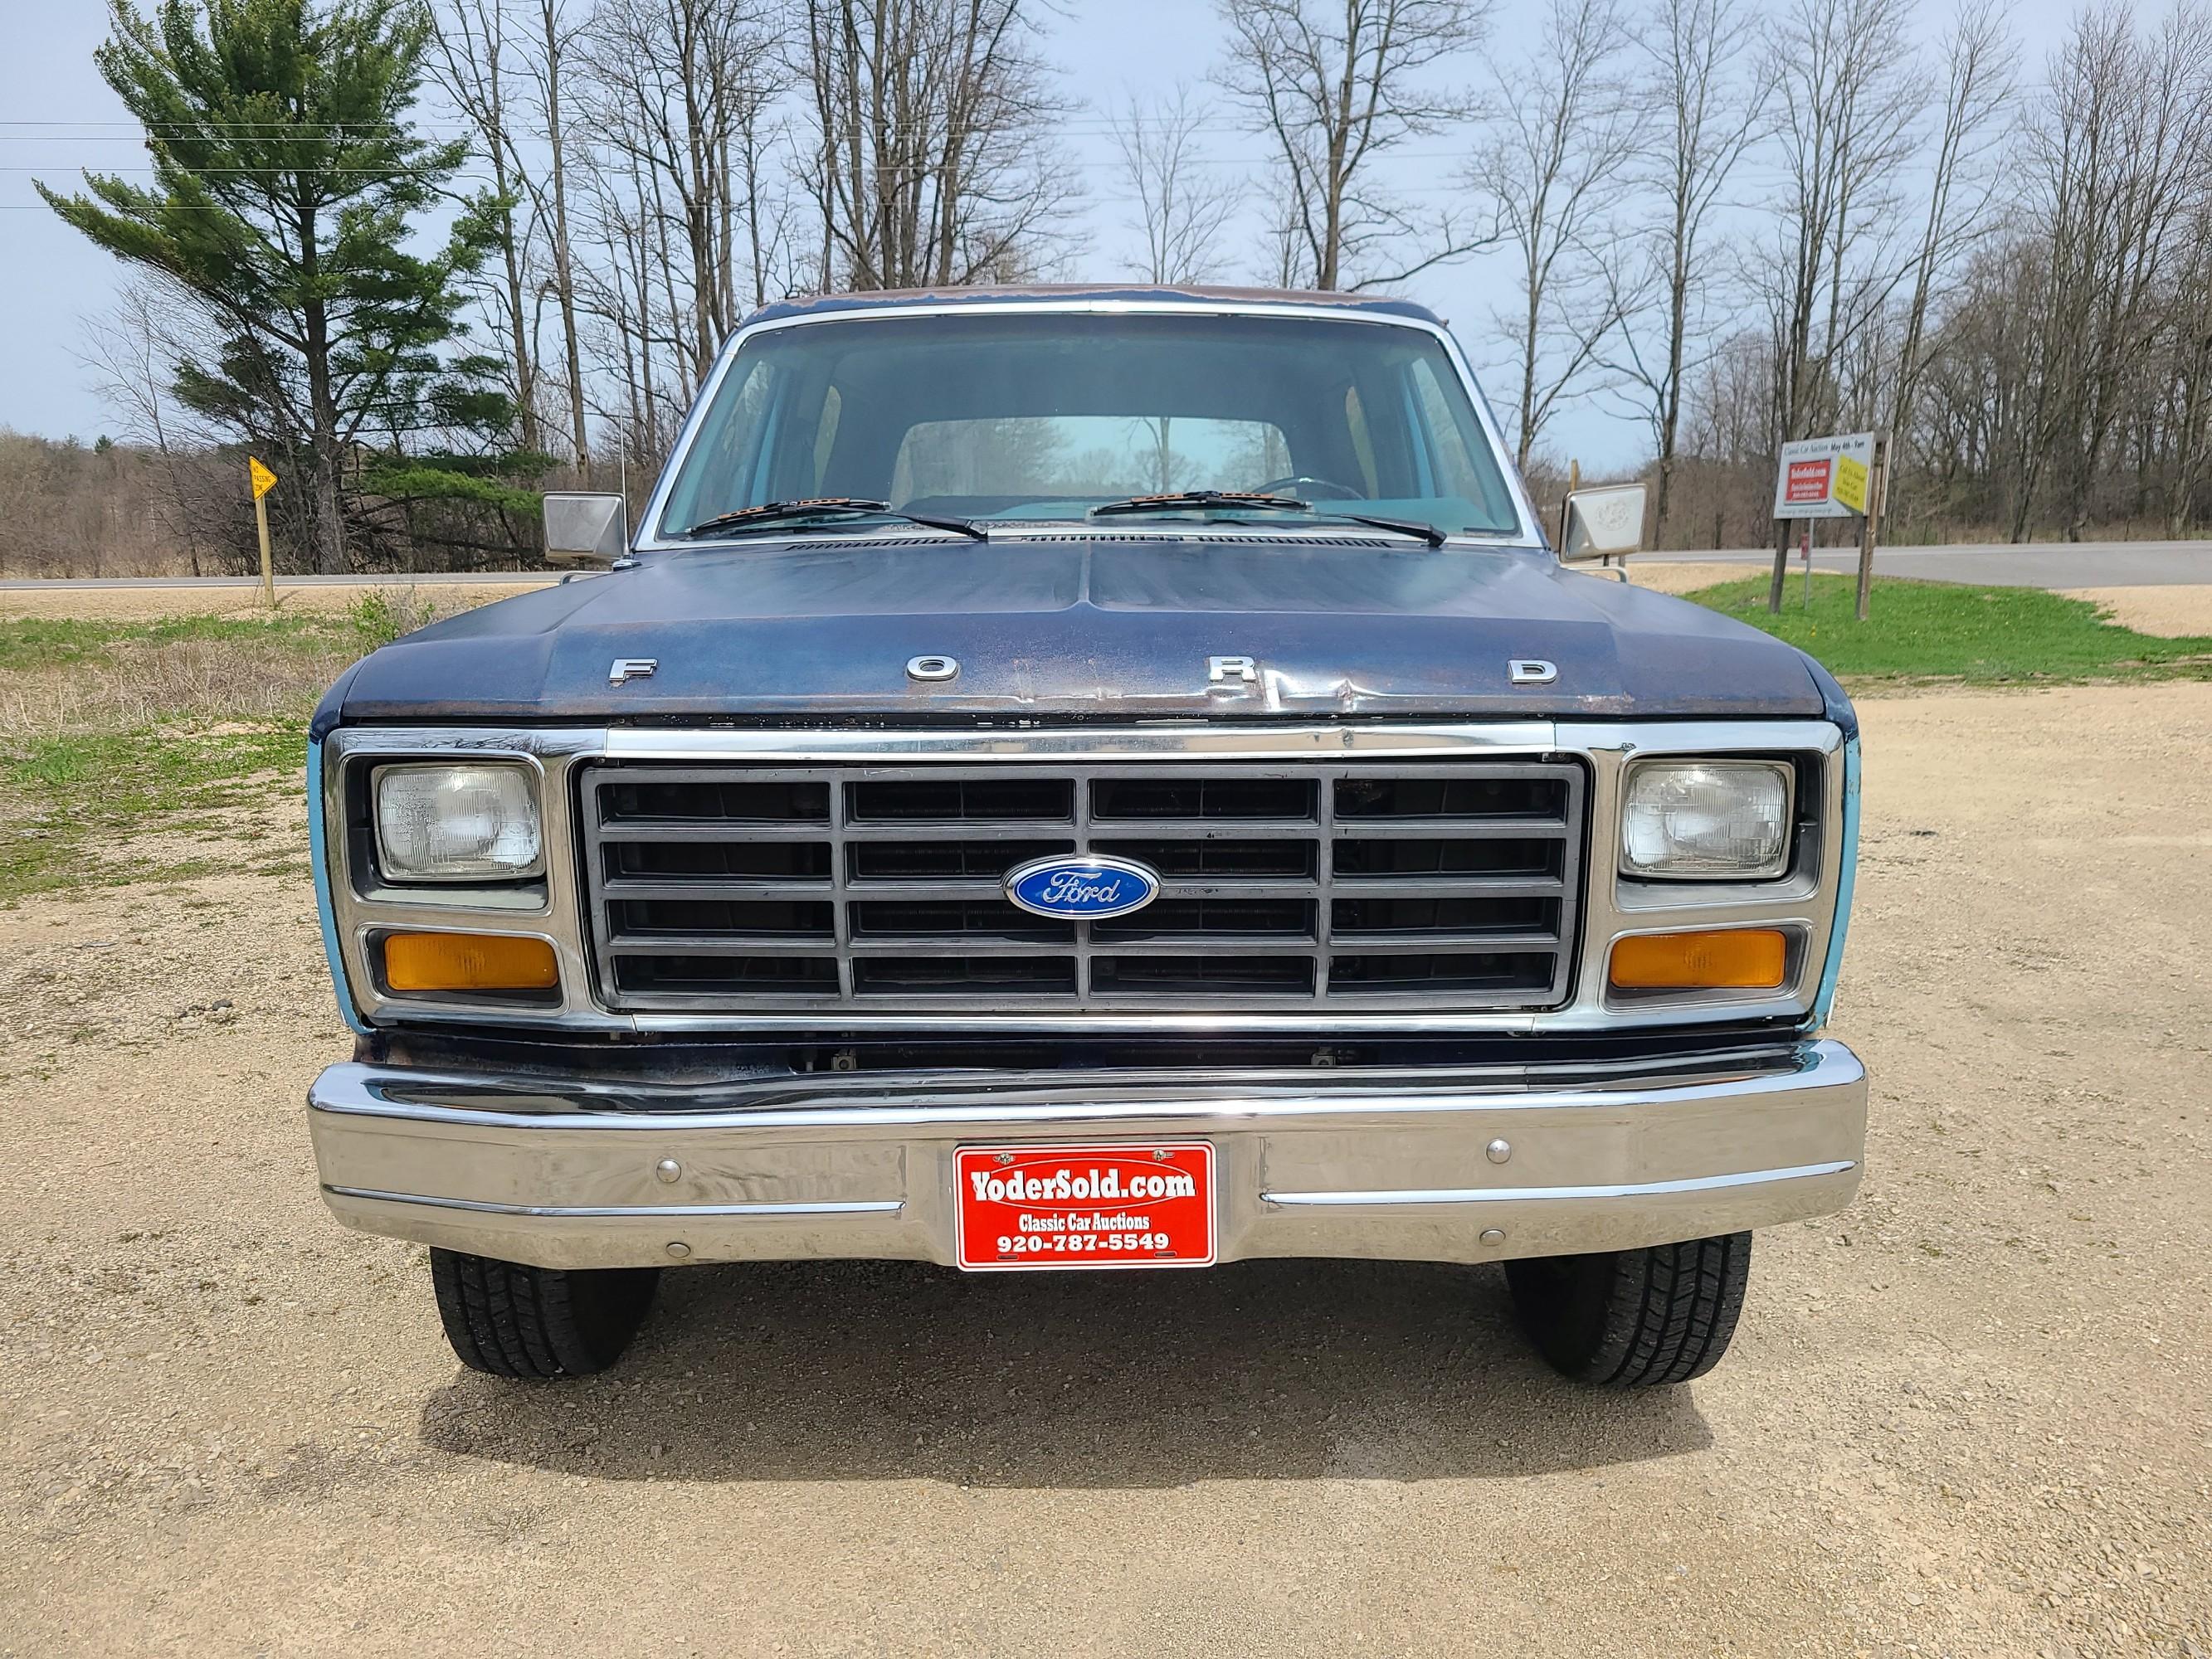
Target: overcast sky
[[58, 117]]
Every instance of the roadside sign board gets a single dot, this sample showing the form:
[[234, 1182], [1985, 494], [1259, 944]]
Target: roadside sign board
[[1823, 477], [263, 479]]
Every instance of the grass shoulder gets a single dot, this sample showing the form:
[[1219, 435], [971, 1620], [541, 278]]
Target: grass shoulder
[[129, 745], [1956, 634], [91, 809]]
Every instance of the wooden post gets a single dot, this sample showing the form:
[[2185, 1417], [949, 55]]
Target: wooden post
[[261, 481], [267, 570], [1781, 565], [1877, 488]]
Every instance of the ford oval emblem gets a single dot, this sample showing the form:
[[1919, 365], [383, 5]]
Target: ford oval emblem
[[1079, 888]]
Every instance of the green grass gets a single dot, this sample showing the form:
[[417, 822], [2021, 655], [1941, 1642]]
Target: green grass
[[74, 800], [29, 644], [1919, 630], [110, 731]]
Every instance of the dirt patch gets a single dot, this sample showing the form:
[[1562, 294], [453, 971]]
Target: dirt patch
[[1683, 576], [1967, 1417], [2171, 612], [144, 604]]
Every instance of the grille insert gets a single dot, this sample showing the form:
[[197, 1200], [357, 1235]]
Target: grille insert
[[1436, 886]]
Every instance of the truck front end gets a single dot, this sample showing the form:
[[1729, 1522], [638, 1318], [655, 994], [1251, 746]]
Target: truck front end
[[1080, 782]]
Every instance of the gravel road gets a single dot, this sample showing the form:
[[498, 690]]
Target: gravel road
[[1967, 1417]]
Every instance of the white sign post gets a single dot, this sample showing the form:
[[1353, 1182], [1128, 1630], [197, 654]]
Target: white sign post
[[1832, 477]]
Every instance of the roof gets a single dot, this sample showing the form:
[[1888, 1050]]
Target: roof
[[1053, 293]]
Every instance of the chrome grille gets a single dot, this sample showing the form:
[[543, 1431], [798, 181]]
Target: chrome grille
[[1435, 885]]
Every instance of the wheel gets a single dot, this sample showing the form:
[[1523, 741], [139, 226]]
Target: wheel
[[508, 1319], [1627, 1319]]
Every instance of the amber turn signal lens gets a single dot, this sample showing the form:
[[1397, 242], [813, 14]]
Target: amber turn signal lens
[[1736, 959], [468, 962]]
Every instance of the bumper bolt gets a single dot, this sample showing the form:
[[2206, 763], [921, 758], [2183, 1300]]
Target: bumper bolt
[[679, 1249], [1498, 1151], [1489, 1236], [668, 1171]]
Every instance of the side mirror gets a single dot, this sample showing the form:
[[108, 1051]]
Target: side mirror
[[1600, 523], [585, 527]]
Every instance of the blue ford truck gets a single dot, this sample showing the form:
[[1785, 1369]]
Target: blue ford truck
[[1076, 779]]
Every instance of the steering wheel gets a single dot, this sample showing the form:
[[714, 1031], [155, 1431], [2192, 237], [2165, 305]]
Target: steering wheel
[[1334, 489]]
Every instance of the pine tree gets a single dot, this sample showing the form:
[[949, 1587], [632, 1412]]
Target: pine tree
[[287, 181]]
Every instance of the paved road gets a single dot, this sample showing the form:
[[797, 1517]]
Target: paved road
[[2082, 564], [2060, 565], [427, 579]]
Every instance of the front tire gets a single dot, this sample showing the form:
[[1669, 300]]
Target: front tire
[[1627, 1319], [506, 1319]]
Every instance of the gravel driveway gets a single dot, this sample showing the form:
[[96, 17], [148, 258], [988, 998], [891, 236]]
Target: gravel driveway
[[1967, 1417]]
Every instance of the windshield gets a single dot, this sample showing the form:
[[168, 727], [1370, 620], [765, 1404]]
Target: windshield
[[1045, 414]]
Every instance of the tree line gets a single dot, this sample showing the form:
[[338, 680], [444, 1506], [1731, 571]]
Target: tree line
[[429, 257]]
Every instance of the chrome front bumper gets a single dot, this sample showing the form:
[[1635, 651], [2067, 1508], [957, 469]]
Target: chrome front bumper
[[1473, 1165]]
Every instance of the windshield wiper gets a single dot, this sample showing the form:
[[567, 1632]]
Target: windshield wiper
[[1183, 500], [825, 506], [1427, 532]]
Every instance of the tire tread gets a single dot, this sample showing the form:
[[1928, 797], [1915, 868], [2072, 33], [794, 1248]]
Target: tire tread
[[1666, 1314], [507, 1319]]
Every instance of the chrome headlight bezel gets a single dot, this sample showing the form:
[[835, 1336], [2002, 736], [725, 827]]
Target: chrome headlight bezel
[[1773, 865], [402, 869]]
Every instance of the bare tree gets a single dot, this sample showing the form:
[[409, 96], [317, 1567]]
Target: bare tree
[[1334, 86], [1979, 60], [2189, 380], [556, 39], [676, 85], [1182, 207], [130, 350], [1554, 171], [1850, 98], [471, 66], [931, 160], [1708, 107], [2121, 160]]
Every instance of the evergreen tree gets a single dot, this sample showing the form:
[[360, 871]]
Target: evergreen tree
[[286, 176]]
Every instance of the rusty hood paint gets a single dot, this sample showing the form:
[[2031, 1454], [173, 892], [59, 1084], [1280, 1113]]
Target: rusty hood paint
[[1068, 626]]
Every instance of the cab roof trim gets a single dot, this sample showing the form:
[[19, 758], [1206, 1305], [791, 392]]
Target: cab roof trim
[[1049, 293]]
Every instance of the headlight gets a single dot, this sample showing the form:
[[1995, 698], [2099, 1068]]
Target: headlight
[[457, 822], [1713, 820]]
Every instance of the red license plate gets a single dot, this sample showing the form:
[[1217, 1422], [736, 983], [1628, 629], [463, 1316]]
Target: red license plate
[[1149, 1204]]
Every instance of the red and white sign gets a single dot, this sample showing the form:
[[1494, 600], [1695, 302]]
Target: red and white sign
[[1805, 481], [1149, 1204]]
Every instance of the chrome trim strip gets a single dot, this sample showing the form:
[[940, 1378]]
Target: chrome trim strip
[[1824, 999], [600, 1212], [318, 860], [1620, 1189], [1528, 534], [1210, 740]]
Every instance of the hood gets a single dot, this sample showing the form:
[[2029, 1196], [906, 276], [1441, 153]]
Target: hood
[[1076, 625]]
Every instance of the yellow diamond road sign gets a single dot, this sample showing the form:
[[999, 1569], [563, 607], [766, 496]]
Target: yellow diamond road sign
[[263, 479]]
